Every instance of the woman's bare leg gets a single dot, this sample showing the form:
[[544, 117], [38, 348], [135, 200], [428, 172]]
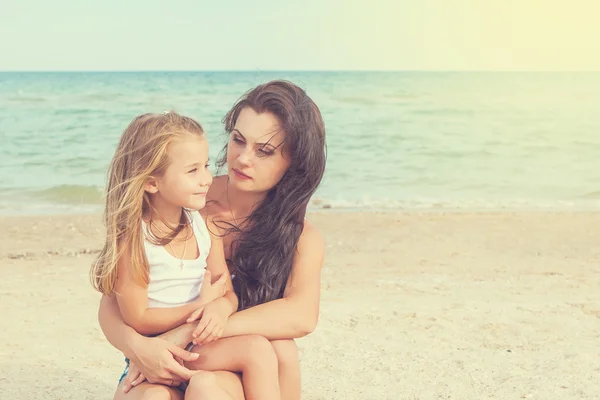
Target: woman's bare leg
[[218, 385], [148, 391], [289, 368]]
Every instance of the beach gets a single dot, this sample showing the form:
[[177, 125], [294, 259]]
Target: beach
[[415, 305]]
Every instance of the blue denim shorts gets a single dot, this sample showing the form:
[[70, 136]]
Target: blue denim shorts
[[124, 374]]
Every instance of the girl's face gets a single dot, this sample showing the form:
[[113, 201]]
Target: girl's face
[[255, 158], [186, 180]]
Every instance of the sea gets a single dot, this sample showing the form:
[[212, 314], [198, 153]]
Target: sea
[[425, 141]]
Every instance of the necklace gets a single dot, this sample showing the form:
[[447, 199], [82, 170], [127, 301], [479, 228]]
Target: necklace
[[173, 250], [237, 225]]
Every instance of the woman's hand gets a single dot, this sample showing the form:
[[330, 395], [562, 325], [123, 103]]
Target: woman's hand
[[156, 360], [133, 378]]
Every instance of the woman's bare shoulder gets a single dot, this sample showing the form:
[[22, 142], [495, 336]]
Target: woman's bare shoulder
[[217, 191], [311, 238], [216, 201], [309, 256], [216, 196]]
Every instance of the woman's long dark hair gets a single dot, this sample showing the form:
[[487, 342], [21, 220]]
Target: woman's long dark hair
[[263, 253]]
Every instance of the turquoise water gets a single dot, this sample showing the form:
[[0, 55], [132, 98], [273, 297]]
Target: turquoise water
[[397, 140]]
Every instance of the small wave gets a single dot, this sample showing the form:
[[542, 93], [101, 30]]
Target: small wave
[[352, 99], [102, 96], [74, 111], [27, 99], [69, 194], [442, 111], [386, 204], [592, 195], [400, 96], [64, 199]]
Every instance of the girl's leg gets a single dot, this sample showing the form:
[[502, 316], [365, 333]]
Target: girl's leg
[[251, 355], [148, 391], [289, 368], [218, 385]]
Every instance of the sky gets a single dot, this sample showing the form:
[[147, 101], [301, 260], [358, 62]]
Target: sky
[[447, 35]]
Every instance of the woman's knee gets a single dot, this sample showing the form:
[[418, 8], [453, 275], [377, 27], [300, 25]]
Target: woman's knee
[[202, 384], [286, 352], [221, 385], [148, 391], [157, 392]]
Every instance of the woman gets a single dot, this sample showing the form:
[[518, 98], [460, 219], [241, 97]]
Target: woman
[[275, 160]]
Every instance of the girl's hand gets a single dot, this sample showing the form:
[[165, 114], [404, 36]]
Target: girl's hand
[[212, 323], [211, 291]]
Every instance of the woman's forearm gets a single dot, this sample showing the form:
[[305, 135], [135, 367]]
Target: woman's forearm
[[296, 314], [117, 332], [277, 319], [122, 336], [180, 336]]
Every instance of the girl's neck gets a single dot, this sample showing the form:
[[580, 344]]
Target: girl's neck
[[167, 214]]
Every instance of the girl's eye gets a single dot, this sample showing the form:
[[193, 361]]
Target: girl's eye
[[207, 165], [193, 170]]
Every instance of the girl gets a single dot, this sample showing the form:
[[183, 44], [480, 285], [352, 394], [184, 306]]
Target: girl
[[159, 255]]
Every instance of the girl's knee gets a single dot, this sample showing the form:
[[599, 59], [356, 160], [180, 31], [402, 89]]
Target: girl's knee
[[286, 351], [259, 345], [259, 351]]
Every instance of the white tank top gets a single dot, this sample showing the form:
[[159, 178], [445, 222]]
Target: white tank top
[[170, 285]]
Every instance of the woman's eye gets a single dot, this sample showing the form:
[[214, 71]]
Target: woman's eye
[[238, 141], [193, 170], [264, 152]]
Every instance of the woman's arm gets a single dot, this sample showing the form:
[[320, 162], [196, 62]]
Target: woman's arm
[[297, 313], [293, 316], [154, 356], [117, 332]]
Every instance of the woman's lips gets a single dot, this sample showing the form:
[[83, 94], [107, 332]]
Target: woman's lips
[[240, 174]]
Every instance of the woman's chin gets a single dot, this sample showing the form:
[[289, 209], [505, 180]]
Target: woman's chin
[[240, 184]]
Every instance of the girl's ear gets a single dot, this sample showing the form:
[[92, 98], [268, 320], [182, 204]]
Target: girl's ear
[[151, 185]]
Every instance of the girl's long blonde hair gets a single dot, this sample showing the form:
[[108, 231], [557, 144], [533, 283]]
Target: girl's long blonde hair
[[141, 154]]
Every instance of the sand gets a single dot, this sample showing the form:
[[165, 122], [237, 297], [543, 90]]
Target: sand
[[414, 306]]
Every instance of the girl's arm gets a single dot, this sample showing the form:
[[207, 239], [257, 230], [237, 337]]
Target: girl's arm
[[216, 264], [296, 314], [225, 305], [214, 315], [133, 304]]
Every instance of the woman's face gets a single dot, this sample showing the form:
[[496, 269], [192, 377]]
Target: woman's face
[[255, 158]]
